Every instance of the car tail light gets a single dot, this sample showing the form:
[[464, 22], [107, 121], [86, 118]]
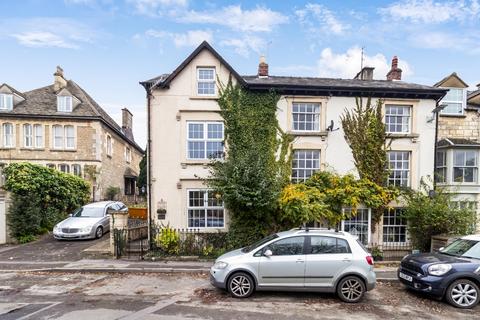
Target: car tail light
[[369, 260]]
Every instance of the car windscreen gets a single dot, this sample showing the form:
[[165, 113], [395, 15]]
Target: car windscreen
[[259, 243], [88, 212], [463, 248]]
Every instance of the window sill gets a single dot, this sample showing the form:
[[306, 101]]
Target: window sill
[[7, 148], [63, 150], [203, 163], [32, 149], [309, 133], [402, 135], [215, 97], [452, 115]]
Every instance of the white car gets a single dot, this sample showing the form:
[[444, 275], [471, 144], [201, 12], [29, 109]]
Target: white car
[[88, 222]]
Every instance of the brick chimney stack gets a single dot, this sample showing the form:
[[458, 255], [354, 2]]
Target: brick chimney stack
[[395, 72], [127, 123], [262, 68], [59, 81]]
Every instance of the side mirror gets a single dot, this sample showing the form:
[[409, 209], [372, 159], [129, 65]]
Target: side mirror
[[70, 215], [268, 253], [441, 249]]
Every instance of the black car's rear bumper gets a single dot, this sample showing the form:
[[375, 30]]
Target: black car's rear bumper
[[423, 283]]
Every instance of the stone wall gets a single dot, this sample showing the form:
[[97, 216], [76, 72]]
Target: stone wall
[[465, 127]]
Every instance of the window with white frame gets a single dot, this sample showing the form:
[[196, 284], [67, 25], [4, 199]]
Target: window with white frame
[[6, 101], [441, 167], [27, 136], [57, 136], [397, 118], [455, 101], [63, 137], [359, 224], [399, 166], [465, 165], [204, 140], [8, 135], [206, 81], [65, 168], [64, 103], [109, 146], [38, 135], [51, 165], [304, 164], [394, 226], [205, 209], [128, 155], [69, 137], [306, 116], [77, 170]]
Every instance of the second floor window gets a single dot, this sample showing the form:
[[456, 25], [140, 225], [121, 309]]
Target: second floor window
[[205, 140], [6, 101], [397, 118], [128, 155], [399, 165], [38, 135], [455, 99], [441, 167], [63, 137], [306, 116], [206, 81], [27, 136], [8, 136], [109, 146], [64, 103], [304, 164], [465, 166]]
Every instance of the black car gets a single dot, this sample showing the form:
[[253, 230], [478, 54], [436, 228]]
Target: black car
[[453, 272]]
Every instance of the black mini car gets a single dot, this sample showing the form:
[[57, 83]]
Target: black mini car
[[453, 272]]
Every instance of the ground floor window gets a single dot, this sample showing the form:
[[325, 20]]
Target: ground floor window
[[205, 209], [129, 186], [394, 226], [64, 168], [304, 164], [359, 225]]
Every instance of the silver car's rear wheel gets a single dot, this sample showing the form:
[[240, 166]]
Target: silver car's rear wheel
[[99, 232], [463, 294], [240, 285], [351, 289]]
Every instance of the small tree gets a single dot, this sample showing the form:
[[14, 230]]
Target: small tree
[[433, 215], [142, 177], [112, 192]]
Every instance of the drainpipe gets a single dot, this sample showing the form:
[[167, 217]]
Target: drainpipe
[[149, 170], [438, 107]]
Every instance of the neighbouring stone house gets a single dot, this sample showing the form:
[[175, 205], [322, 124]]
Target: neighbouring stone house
[[62, 127], [458, 146], [186, 130]]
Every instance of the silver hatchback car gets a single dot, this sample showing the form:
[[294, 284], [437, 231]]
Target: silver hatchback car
[[317, 260]]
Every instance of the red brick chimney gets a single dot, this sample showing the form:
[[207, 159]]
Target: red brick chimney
[[395, 72], [262, 68]]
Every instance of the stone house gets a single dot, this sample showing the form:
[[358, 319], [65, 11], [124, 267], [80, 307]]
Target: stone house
[[62, 127], [458, 146], [186, 131]]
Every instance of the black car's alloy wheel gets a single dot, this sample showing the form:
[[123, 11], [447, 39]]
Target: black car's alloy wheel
[[463, 294], [240, 285], [351, 289], [99, 232]]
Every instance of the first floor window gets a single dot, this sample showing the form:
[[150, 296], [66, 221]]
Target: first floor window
[[8, 137], [27, 136], [304, 164], [465, 165], [64, 168], [358, 224], [399, 165], [128, 155], [6, 101], [397, 118], [109, 146], [441, 167], [205, 209], [57, 137], [69, 137], [205, 140], [306, 116], [51, 165], [77, 170], [394, 226], [38, 135]]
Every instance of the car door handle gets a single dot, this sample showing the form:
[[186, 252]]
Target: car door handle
[[300, 261], [346, 260]]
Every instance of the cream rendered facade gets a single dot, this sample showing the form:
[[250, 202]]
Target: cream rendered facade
[[172, 175]]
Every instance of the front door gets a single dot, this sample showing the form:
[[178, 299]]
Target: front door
[[326, 258], [286, 266]]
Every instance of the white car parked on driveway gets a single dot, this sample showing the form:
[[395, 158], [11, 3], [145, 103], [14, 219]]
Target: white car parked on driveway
[[88, 222]]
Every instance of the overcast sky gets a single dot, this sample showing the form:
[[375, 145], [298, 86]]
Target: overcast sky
[[108, 46]]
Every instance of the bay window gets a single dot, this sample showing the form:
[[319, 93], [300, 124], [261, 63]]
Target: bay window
[[465, 165], [441, 167]]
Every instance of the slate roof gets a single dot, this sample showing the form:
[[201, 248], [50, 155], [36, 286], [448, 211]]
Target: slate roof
[[42, 103], [457, 142]]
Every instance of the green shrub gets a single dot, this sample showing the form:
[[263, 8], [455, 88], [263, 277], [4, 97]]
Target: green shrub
[[168, 240], [112, 192], [41, 198]]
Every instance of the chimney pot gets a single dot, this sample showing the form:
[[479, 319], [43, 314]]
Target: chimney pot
[[262, 68], [395, 72], [127, 123], [59, 80]]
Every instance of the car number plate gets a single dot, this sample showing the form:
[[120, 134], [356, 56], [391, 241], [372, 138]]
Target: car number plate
[[404, 276]]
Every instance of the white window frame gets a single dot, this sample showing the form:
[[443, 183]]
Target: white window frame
[[67, 137], [38, 137], [369, 222], [391, 116], [205, 139], [316, 115], [6, 101], [206, 81], [109, 145], [463, 102], [64, 165], [304, 169], [475, 167], [128, 155], [54, 136], [395, 226], [392, 171], [205, 208], [64, 103], [441, 166], [28, 135], [73, 167], [10, 135]]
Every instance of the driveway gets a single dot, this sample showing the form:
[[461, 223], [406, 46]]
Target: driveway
[[49, 249]]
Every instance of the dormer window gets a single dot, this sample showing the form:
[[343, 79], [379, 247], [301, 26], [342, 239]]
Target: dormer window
[[206, 81], [6, 101], [64, 103], [455, 101]]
